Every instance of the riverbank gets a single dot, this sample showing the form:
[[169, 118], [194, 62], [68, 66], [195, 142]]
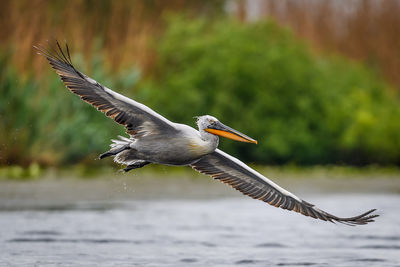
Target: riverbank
[[34, 171]]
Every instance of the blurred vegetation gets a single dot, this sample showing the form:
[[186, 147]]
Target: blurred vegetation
[[39, 119], [302, 107], [42, 119], [125, 28], [366, 30], [258, 78]]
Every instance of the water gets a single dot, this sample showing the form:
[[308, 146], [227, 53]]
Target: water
[[125, 222]]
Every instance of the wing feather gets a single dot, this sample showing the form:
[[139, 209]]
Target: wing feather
[[138, 119], [232, 171]]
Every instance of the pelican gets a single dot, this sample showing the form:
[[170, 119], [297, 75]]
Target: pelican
[[155, 139]]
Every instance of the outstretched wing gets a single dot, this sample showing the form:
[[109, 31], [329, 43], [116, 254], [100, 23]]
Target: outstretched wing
[[232, 171], [139, 119]]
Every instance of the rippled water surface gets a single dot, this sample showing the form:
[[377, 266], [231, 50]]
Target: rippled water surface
[[124, 223]]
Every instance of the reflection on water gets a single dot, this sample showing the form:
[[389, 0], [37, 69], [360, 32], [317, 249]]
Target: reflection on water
[[194, 223]]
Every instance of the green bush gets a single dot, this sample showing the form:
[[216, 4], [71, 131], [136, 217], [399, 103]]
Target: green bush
[[41, 121], [259, 79]]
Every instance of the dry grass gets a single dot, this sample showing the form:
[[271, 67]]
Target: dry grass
[[124, 28]]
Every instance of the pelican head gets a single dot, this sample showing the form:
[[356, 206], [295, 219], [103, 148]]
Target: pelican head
[[211, 125]]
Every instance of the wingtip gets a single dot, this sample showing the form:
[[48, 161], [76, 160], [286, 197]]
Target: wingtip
[[54, 51], [362, 219]]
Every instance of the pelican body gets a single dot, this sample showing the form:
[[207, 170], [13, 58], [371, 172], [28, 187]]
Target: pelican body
[[155, 139], [177, 144]]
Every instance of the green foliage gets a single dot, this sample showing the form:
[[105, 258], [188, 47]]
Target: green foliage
[[259, 79], [41, 121]]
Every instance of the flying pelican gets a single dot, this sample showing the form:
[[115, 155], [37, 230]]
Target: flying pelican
[[155, 139]]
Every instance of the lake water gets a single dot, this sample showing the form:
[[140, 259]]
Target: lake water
[[190, 222]]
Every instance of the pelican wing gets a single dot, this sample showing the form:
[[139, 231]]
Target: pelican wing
[[139, 119], [232, 171]]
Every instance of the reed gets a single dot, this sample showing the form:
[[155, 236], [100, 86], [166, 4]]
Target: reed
[[124, 28]]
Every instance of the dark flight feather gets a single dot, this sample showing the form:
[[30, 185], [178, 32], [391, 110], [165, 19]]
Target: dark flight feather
[[138, 119], [235, 173]]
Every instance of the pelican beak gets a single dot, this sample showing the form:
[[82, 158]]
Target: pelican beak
[[220, 129]]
